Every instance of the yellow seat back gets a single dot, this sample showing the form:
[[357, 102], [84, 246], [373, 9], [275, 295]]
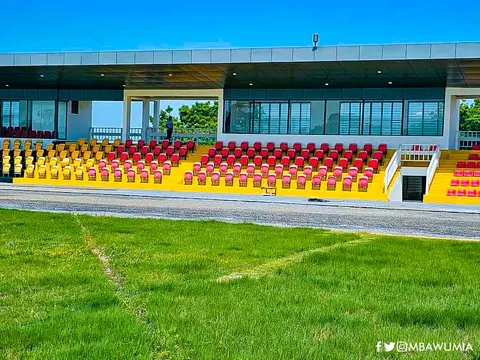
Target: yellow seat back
[[40, 161], [60, 148], [6, 159], [66, 172], [51, 154], [49, 147], [5, 152], [83, 148], [72, 148], [6, 168], [81, 141], [18, 160], [29, 160], [17, 152], [116, 142], [107, 149], [39, 153], [75, 154], [99, 156], [53, 161], [87, 155], [42, 170], [89, 163], [30, 170], [18, 169], [16, 146], [93, 142], [28, 153], [96, 149], [104, 142], [54, 170], [77, 162]]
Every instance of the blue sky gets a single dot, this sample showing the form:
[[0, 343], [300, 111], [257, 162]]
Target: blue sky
[[70, 25]]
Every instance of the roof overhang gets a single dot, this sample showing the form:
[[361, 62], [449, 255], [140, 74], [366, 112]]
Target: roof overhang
[[404, 65]]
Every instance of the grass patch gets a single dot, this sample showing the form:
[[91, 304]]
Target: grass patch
[[85, 287]]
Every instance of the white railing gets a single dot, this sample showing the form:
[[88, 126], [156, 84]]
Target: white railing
[[466, 139], [113, 133], [417, 152], [432, 168], [391, 169]]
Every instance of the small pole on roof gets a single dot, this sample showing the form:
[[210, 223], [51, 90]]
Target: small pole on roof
[[315, 41]]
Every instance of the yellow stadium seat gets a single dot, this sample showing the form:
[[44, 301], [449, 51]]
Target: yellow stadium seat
[[51, 154], [6, 170], [89, 163], [49, 147], [6, 159], [28, 152], [87, 155], [5, 152], [29, 160], [27, 146], [53, 161], [65, 162], [29, 173], [67, 173], [18, 170], [104, 142], [77, 163], [99, 156], [42, 172], [60, 148], [39, 153], [74, 154], [16, 145], [54, 172], [27, 142], [17, 152], [79, 172], [38, 146], [40, 161], [83, 148], [72, 148], [93, 142], [107, 149], [81, 141], [63, 154], [18, 160], [116, 142], [95, 149], [6, 144]]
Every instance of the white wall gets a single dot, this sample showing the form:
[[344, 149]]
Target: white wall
[[78, 125], [391, 141], [413, 171]]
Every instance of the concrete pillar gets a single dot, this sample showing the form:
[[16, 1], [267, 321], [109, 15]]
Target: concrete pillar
[[156, 117], [145, 118], [220, 118], [127, 113]]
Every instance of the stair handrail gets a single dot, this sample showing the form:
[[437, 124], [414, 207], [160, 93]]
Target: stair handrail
[[391, 169], [432, 168]]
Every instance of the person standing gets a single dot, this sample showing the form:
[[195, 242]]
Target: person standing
[[169, 127]]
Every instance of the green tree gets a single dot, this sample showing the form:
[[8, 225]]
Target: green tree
[[470, 116], [201, 115]]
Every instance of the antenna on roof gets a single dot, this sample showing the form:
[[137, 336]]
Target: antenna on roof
[[315, 41]]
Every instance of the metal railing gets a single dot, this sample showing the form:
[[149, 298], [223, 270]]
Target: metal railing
[[417, 152], [466, 139], [432, 168], [391, 169], [113, 133], [200, 136]]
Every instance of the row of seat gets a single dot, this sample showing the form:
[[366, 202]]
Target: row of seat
[[468, 164], [297, 146], [24, 132], [271, 180], [463, 193], [466, 173], [465, 183]]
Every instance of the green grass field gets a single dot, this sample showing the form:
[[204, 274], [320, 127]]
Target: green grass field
[[80, 287]]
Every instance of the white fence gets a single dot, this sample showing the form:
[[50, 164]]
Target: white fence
[[391, 169], [468, 138], [432, 168], [113, 133], [417, 152]]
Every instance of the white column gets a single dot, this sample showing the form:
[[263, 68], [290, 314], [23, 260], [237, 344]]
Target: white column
[[156, 116], [145, 118], [127, 113], [220, 118]]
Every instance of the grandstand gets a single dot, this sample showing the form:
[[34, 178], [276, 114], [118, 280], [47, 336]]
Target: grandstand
[[347, 122]]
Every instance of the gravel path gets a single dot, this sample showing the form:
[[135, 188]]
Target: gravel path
[[397, 219]]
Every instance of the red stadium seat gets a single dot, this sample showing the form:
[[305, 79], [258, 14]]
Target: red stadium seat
[[153, 166], [462, 192], [197, 167], [472, 193], [363, 155], [331, 183], [244, 159], [140, 143], [270, 146], [101, 164], [383, 148], [319, 154], [229, 179], [284, 147], [264, 153], [475, 183], [157, 151], [152, 144], [297, 147], [305, 154], [217, 160], [215, 178], [224, 153], [123, 157], [465, 183], [293, 171], [473, 157], [175, 159], [163, 157], [202, 178], [468, 173], [279, 170], [285, 161], [203, 159], [328, 162], [311, 147], [307, 171], [209, 168], [322, 172], [167, 167], [300, 162], [368, 173], [170, 151], [301, 181], [476, 147], [368, 148], [337, 172], [231, 160], [334, 155], [237, 168], [257, 180], [348, 154], [237, 153], [244, 146], [264, 169], [458, 172], [353, 173], [231, 145], [104, 174], [454, 182], [476, 173], [373, 163], [182, 152], [190, 145], [339, 148], [451, 192], [117, 175], [136, 157], [347, 183], [243, 180], [271, 161], [140, 166], [165, 144], [291, 153], [286, 181], [257, 160], [115, 165], [257, 145], [470, 164], [353, 147], [218, 145], [313, 162], [461, 164], [250, 170], [277, 153], [132, 150], [316, 182], [212, 152], [188, 178], [325, 147], [251, 153], [272, 180], [343, 163], [363, 184], [111, 156]]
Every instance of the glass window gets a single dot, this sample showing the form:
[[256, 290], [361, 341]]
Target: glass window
[[14, 114], [305, 118], [6, 106], [376, 119], [42, 115], [367, 115], [283, 118], [274, 118], [317, 117], [332, 118], [256, 118], [415, 118], [295, 109], [397, 112], [264, 118], [239, 116], [62, 120], [344, 118], [387, 118]]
